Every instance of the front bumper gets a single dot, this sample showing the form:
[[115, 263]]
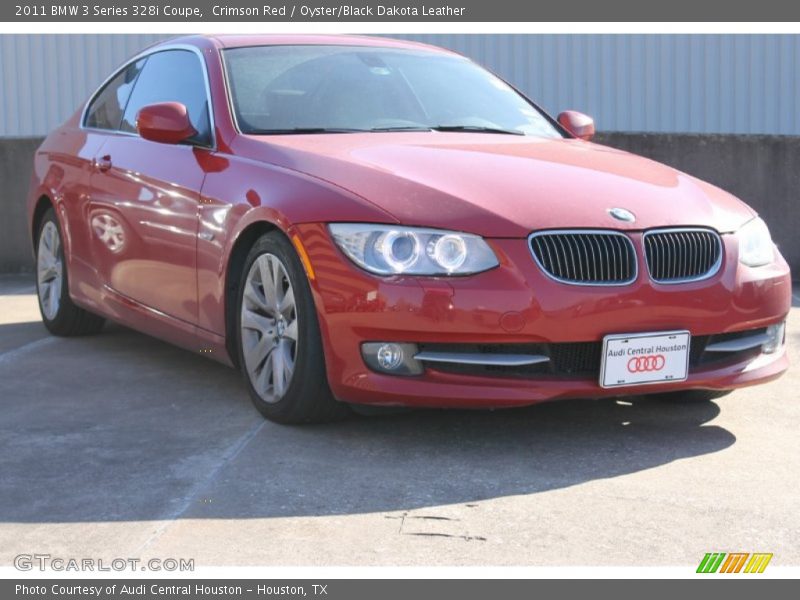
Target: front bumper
[[516, 303]]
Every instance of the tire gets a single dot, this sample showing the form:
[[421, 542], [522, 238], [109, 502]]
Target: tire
[[279, 342], [691, 396], [60, 315]]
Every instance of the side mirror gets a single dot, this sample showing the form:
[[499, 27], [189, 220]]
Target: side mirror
[[165, 122], [577, 123]]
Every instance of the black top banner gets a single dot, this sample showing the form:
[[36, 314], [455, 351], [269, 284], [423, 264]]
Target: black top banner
[[401, 11]]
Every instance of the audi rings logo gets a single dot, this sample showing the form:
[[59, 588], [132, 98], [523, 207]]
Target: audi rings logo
[[648, 362]]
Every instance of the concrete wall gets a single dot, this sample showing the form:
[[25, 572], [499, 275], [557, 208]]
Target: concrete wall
[[762, 170], [16, 155]]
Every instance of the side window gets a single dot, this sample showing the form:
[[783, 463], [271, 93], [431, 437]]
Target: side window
[[172, 76], [105, 111]]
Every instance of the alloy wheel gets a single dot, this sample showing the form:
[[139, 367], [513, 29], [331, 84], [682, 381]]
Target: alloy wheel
[[269, 327], [49, 270]]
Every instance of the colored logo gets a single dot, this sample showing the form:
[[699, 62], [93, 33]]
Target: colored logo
[[622, 214], [734, 562], [648, 362]]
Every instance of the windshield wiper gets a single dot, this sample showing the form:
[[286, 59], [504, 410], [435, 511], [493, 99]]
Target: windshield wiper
[[401, 128], [301, 130], [448, 128], [476, 129]]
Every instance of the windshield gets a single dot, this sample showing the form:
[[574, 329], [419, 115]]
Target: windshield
[[319, 89]]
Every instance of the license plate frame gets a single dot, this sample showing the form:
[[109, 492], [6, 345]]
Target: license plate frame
[[657, 363]]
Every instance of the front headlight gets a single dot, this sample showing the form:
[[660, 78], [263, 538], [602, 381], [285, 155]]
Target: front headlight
[[398, 250], [755, 244]]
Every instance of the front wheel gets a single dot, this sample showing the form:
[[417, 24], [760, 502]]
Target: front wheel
[[60, 315], [280, 347]]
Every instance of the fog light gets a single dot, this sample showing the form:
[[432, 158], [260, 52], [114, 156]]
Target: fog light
[[391, 357], [776, 334]]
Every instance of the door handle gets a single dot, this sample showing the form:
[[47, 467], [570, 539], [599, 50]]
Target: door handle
[[103, 163]]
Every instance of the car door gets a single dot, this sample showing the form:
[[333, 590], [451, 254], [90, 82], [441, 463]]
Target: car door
[[101, 118], [145, 195]]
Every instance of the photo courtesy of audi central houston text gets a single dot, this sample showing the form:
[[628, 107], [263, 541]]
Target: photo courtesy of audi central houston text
[[361, 222]]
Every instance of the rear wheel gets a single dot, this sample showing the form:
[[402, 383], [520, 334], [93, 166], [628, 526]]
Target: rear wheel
[[280, 348], [691, 396], [60, 315]]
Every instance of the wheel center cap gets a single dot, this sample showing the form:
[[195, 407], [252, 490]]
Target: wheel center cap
[[280, 327]]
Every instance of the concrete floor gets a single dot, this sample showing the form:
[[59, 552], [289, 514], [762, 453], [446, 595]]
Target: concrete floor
[[120, 445]]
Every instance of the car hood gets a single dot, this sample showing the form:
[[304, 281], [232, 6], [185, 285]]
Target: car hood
[[500, 185]]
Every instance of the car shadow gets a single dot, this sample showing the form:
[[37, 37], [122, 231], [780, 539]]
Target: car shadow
[[123, 427], [429, 458]]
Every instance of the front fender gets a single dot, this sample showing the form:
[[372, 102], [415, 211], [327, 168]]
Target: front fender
[[239, 194]]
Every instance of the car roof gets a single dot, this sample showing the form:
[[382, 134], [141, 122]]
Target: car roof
[[241, 41]]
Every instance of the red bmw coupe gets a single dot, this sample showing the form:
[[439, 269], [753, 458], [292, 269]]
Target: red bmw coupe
[[369, 221]]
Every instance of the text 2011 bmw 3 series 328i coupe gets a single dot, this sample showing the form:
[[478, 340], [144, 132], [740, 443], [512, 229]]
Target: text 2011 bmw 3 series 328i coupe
[[366, 221]]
